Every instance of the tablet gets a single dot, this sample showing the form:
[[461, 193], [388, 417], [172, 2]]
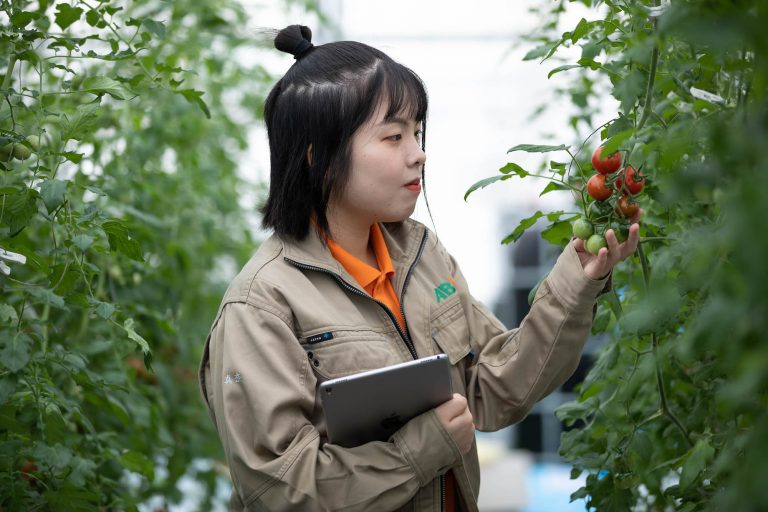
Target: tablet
[[373, 405]]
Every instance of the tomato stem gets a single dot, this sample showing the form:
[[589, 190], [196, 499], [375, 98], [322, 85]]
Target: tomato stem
[[651, 80]]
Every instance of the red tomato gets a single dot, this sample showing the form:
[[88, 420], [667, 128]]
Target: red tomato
[[606, 165], [635, 179], [597, 188], [627, 207]]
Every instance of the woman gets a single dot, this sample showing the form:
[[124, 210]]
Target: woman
[[349, 283]]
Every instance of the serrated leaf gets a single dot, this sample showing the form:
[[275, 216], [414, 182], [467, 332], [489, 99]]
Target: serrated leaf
[[485, 182], [82, 471], [195, 97], [580, 31], [564, 67], [105, 85], [697, 459], [537, 148], [120, 239], [67, 15], [21, 19], [521, 227], [104, 309], [52, 192], [558, 233], [551, 186], [539, 51], [512, 168], [83, 242], [46, 296], [81, 123], [15, 352], [133, 335]]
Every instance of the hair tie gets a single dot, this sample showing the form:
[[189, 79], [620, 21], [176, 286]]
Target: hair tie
[[302, 47]]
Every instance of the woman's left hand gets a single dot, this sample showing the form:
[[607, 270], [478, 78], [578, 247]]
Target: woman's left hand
[[597, 266]]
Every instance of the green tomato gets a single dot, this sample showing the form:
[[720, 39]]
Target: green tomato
[[583, 229], [34, 141], [620, 230], [21, 152], [6, 152], [594, 244]]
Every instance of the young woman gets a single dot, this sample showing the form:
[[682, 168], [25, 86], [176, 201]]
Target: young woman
[[348, 282]]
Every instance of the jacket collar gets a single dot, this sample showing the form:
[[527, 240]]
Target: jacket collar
[[403, 241]]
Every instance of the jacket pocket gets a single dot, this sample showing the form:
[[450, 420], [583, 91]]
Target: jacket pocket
[[450, 330], [349, 352]]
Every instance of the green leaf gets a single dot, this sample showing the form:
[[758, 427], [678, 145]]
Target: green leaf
[[21, 19], [580, 31], [133, 335], [564, 67], [15, 354], [105, 85], [46, 296], [156, 27], [81, 123], [539, 51], [83, 242], [138, 462], [8, 314], [120, 239], [67, 15], [195, 97], [696, 461], [629, 89], [558, 233], [92, 17], [103, 309], [534, 148], [512, 168], [615, 142], [485, 182], [83, 470], [7, 388], [553, 185], [52, 192], [521, 227]]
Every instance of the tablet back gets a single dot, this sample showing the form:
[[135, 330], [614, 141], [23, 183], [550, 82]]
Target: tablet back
[[372, 405]]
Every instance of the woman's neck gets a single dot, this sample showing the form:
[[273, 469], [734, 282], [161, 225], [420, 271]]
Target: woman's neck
[[354, 237]]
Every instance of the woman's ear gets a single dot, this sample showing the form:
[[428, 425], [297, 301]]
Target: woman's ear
[[309, 154]]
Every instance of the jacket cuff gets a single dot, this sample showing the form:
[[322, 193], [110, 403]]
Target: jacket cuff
[[427, 447], [574, 288]]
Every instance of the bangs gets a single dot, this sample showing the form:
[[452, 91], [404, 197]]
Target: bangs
[[402, 90]]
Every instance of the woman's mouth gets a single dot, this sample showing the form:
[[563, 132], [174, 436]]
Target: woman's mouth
[[414, 186]]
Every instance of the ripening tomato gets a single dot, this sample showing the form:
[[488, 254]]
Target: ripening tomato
[[635, 179], [597, 188], [621, 230], [627, 207], [606, 165]]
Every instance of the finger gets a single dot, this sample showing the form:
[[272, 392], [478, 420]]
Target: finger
[[578, 244], [602, 261], [614, 251], [630, 246], [636, 217]]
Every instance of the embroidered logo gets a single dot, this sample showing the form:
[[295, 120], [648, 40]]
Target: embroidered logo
[[444, 290]]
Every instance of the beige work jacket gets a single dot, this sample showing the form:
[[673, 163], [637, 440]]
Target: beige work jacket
[[294, 317]]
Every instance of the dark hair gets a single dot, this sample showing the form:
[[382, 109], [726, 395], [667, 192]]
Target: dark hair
[[325, 96]]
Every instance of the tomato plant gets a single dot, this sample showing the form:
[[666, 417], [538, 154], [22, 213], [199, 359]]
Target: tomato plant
[[672, 416], [628, 207], [110, 112]]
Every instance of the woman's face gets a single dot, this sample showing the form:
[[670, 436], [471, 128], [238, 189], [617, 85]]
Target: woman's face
[[385, 173]]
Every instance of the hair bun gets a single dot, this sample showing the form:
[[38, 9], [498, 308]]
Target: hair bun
[[294, 39]]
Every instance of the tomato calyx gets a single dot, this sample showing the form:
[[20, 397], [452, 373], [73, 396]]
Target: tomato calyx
[[635, 180]]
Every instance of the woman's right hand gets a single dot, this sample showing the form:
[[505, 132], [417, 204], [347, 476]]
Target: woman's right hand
[[457, 420]]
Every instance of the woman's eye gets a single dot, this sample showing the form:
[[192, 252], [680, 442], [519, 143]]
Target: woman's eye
[[395, 138]]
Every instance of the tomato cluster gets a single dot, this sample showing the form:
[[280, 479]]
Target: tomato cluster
[[612, 190]]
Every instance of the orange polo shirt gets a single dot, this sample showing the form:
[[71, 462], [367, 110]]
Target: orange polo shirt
[[378, 283]]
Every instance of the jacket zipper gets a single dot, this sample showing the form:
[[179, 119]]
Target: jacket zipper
[[442, 492], [403, 333]]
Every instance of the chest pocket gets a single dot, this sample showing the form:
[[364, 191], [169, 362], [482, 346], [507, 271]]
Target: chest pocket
[[450, 331], [349, 352]]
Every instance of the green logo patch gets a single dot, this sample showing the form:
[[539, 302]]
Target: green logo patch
[[444, 290]]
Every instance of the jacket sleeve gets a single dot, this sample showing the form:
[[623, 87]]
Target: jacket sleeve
[[261, 394], [514, 369]]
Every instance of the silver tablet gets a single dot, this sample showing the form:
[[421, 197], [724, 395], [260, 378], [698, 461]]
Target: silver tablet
[[372, 405]]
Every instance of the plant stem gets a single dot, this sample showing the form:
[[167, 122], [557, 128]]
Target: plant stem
[[664, 405], [651, 80]]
